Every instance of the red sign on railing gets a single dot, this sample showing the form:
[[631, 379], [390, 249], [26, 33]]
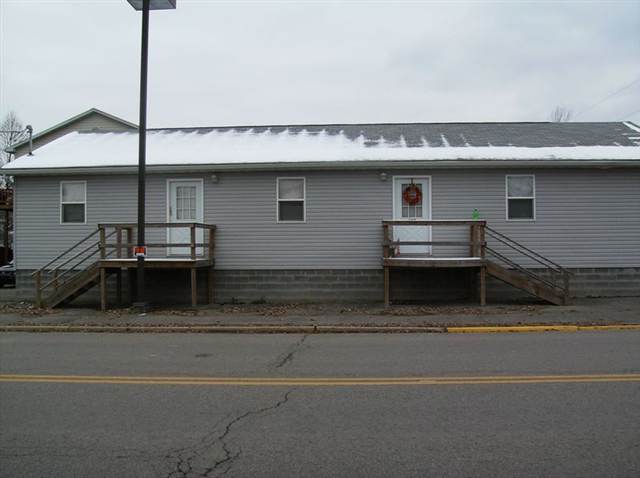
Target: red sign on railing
[[140, 251]]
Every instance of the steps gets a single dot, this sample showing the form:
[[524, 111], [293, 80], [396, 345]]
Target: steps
[[75, 287], [528, 283]]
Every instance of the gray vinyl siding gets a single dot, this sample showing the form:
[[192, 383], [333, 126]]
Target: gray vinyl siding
[[585, 218]]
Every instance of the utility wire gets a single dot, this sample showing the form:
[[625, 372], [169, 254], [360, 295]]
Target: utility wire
[[611, 95], [629, 114]]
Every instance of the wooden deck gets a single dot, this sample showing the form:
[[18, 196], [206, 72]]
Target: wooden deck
[[157, 263], [552, 287], [393, 257], [433, 262], [88, 262]]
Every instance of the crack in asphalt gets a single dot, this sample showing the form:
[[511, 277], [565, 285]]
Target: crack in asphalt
[[289, 356], [184, 466], [229, 456], [183, 461]]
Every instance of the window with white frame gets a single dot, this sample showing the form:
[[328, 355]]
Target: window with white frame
[[73, 202], [521, 197], [291, 199]]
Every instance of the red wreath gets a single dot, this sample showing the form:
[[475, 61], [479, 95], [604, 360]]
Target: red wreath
[[412, 195]]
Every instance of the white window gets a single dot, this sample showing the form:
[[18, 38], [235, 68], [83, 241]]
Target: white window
[[521, 197], [291, 199], [186, 203], [73, 202]]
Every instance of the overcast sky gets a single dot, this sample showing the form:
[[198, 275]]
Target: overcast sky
[[268, 62]]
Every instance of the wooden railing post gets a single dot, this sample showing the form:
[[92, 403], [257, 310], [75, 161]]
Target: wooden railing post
[[55, 279], [482, 245], [193, 242], [386, 238], [118, 242], [39, 289], [210, 272], [129, 242], [472, 240], [103, 242], [212, 243]]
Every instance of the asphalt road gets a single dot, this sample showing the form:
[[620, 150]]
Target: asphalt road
[[255, 405]]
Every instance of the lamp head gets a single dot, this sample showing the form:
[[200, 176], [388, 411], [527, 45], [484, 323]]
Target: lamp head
[[154, 4]]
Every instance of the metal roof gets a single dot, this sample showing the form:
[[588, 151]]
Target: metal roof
[[532, 135]]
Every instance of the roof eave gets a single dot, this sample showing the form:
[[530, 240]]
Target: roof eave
[[332, 165]]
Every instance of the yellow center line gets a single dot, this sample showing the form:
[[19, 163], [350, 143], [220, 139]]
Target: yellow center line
[[321, 381]]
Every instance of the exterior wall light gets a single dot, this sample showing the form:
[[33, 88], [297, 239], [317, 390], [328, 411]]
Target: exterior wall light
[[215, 178], [383, 176]]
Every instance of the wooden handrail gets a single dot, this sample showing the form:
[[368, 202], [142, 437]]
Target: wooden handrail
[[534, 255], [436, 222], [192, 245], [432, 243], [58, 275], [159, 225], [86, 249], [157, 245], [66, 252], [476, 240], [525, 271], [78, 272]]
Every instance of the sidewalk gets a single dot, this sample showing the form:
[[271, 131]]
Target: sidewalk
[[585, 312]]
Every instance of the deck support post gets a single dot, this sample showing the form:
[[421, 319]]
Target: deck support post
[[119, 287], [194, 287], [131, 285], [387, 235], [103, 289], [386, 287], [482, 286], [38, 289], [471, 280], [210, 284], [211, 272]]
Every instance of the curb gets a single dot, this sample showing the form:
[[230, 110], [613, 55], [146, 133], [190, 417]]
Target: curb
[[312, 329]]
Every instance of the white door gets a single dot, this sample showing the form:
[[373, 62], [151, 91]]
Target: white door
[[185, 205], [405, 211]]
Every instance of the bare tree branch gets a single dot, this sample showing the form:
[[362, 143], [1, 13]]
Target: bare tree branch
[[561, 114], [11, 132]]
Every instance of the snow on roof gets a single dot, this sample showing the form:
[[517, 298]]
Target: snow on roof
[[260, 146]]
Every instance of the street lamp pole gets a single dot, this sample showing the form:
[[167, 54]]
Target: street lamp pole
[[142, 153], [140, 250]]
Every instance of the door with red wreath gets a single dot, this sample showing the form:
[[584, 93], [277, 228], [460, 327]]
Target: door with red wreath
[[412, 202]]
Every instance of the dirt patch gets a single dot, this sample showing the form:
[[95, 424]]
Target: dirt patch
[[458, 310], [24, 309], [311, 310]]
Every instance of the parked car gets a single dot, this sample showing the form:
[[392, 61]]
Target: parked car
[[8, 275]]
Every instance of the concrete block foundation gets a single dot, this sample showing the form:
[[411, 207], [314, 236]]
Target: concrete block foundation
[[172, 287]]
